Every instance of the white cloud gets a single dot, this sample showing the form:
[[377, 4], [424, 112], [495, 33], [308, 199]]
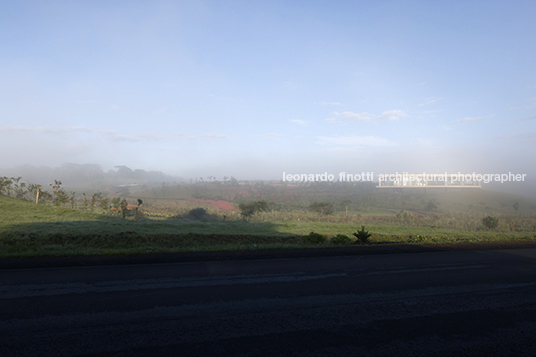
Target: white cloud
[[354, 141], [433, 111], [470, 119], [54, 130], [212, 136], [428, 102], [527, 118], [350, 116], [109, 134], [392, 115], [299, 122], [531, 137], [533, 105]]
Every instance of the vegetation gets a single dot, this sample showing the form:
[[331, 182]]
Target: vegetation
[[490, 222], [314, 238], [362, 235], [341, 239], [249, 209], [323, 208], [277, 217]]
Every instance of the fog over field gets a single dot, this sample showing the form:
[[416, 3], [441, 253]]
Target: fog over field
[[252, 89]]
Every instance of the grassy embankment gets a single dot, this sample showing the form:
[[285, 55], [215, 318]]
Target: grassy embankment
[[27, 229]]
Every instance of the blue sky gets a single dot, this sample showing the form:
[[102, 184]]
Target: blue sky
[[253, 88]]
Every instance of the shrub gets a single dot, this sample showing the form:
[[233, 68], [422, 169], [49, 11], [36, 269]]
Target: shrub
[[323, 208], [490, 222], [315, 238], [197, 213], [249, 209], [341, 239], [362, 235], [417, 239]]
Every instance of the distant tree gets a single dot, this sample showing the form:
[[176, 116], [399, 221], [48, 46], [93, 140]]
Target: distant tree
[[516, 206], [323, 208], [431, 205], [249, 209], [105, 203], [60, 196], [72, 198], [124, 207], [5, 185], [346, 204], [197, 213], [18, 188], [116, 202], [490, 222], [94, 199], [35, 190], [86, 201]]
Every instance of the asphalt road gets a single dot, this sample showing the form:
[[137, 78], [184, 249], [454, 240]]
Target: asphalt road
[[469, 303]]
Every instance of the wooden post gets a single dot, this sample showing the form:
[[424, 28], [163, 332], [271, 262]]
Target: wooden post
[[37, 197]]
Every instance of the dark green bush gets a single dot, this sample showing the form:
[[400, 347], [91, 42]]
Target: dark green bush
[[197, 213], [362, 235], [490, 222], [315, 238], [341, 239]]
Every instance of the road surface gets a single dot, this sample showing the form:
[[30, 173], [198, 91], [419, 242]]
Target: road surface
[[468, 303]]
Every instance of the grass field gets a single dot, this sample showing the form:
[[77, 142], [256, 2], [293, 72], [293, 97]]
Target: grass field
[[27, 229]]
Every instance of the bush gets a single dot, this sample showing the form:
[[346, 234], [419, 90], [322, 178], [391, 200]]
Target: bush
[[249, 209], [490, 222], [197, 213], [323, 208], [315, 238], [362, 235], [341, 239], [417, 239]]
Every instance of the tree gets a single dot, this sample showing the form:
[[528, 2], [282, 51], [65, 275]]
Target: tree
[[60, 196], [72, 198], [35, 189], [94, 198], [105, 203], [490, 222], [323, 208], [346, 204], [124, 207], [249, 209]]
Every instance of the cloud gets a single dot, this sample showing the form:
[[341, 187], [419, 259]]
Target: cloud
[[292, 85], [354, 141], [392, 115], [527, 118], [350, 116], [212, 136], [53, 130], [428, 102], [299, 122], [533, 105], [109, 134], [470, 119], [269, 136], [433, 111], [531, 137]]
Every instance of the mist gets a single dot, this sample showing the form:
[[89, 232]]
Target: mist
[[180, 90]]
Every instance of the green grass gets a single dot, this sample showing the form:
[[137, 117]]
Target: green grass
[[27, 229]]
